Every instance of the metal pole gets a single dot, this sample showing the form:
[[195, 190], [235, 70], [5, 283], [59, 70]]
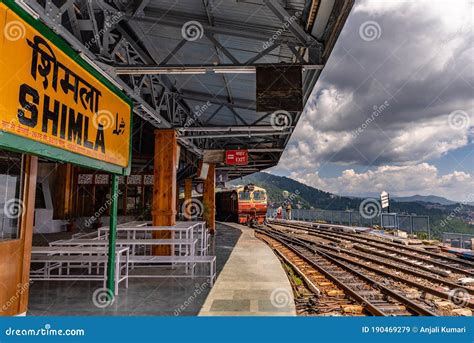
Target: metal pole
[[112, 236]]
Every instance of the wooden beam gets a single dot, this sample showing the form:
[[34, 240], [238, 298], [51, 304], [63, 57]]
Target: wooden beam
[[188, 194], [27, 226], [209, 199], [62, 198], [164, 187]]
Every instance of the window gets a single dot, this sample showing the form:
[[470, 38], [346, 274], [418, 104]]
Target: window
[[11, 199], [259, 195], [244, 196], [134, 200], [39, 196]]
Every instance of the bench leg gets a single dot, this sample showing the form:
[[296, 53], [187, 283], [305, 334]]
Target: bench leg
[[104, 284], [60, 271], [211, 279], [126, 268], [117, 273]]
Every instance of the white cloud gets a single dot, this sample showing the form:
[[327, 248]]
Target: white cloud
[[421, 179], [422, 67]]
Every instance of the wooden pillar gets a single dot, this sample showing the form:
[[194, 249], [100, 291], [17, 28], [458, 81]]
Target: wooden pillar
[[209, 199], [177, 197], [62, 198], [164, 187], [188, 194]]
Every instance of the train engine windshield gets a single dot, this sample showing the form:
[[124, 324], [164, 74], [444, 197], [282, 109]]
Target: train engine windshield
[[244, 195], [259, 195]]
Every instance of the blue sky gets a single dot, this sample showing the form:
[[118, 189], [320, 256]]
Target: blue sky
[[394, 107]]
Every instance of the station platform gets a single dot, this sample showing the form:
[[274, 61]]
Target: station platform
[[251, 283], [248, 273]]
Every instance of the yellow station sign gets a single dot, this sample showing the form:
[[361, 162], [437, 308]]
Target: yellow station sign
[[47, 97]]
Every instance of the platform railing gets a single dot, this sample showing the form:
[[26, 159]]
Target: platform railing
[[411, 224], [459, 240]]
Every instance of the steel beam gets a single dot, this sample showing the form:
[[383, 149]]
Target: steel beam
[[203, 68], [232, 128], [293, 26], [164, 17], [249, 135], [217, 99]]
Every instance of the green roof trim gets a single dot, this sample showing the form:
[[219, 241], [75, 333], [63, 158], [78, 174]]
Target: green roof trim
[[19, 144]]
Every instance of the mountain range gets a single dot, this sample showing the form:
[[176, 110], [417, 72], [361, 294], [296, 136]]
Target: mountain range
[[280, 188], [434, 199]]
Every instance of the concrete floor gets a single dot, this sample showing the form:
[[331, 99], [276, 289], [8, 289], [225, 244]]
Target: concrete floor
[[249, 281], [144, 297], [252, 282]]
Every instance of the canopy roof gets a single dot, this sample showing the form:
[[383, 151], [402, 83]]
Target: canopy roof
[[191, 65]]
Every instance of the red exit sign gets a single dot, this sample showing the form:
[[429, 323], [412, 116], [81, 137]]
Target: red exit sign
[[236, 157]]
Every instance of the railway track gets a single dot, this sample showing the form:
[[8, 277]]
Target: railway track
[[413, 259], [431, 291], [372, 296], [401, 266], [319, 295], [452, 264], [425, 282]]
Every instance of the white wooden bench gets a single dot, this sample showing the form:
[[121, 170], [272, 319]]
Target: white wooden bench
[[182, 230], [192, 260], [59, 258]]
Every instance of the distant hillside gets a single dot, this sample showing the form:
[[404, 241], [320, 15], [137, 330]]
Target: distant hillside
[[437, 208], [426, 198], [306, 196]]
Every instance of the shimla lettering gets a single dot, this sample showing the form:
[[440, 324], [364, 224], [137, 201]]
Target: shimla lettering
[[73, 126], [57, 118]]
